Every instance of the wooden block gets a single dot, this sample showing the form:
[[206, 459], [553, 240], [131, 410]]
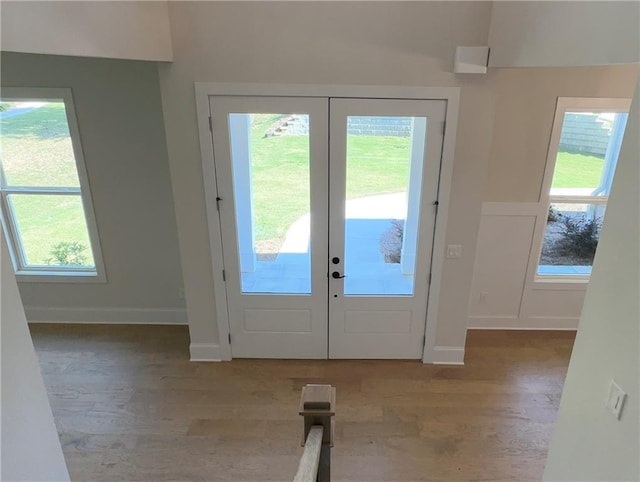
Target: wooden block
[[317, 405], [317, 399]]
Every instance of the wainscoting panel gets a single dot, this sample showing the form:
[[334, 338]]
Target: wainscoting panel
[[552, 304], [502, 297]]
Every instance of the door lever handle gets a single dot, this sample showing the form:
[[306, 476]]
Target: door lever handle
[[336, 275]]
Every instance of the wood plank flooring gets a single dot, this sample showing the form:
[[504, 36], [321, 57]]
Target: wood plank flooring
[[129, 405]]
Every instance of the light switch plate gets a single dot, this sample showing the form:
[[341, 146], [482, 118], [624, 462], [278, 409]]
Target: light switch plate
[[454, 251], [616, 399]]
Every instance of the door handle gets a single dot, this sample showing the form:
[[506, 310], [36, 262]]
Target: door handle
[[336, 275]]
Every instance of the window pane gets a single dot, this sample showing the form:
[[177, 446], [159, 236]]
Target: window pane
[[36, 145], [270, 159], [570, 239], [587, 153], [52, 230], [384, 179]]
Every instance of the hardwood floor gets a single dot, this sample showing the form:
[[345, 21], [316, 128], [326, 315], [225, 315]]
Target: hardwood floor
[[129, 405]]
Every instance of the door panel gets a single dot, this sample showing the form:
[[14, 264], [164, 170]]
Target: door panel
[[271, 158], [385, 165]]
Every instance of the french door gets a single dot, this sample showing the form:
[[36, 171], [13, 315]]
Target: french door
[[327, 211]]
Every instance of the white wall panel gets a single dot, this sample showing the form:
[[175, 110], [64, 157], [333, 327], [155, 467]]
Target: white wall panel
[[501, 295], [553, 303], [501, 265], [121, 30], [563, 34], [30, 445]]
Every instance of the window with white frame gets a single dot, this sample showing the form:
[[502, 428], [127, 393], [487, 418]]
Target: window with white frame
[[583, 152], [45, 199]]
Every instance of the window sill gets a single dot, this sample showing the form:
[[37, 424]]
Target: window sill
[[560, 277], [560, 282], [59, 277]]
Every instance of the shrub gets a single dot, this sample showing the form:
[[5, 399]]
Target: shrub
[[391, 242], [68, 253], [554, 215], [579, 237]]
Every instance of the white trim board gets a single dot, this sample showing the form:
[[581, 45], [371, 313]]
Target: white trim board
[[207, 352], [446, 355], [510, 209], [145, 316], [205, 89], [450, 94], [526, 324]]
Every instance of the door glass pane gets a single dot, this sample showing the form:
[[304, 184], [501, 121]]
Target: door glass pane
[[587, 153], [52, 230], [384, 178], [36, 145], [571, 238], [270, 158]]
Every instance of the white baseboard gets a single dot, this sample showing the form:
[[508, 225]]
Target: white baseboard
[[148, 316], [529, 323], [446, 355], [210, 352]]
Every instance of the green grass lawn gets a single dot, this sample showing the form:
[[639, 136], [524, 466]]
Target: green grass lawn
[[577, 170], [37, 151], [280, 169]]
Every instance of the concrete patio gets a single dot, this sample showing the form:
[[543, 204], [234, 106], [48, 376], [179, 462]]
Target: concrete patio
[[366, 271]]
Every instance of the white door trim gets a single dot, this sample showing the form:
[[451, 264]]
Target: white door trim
[[450, 94]]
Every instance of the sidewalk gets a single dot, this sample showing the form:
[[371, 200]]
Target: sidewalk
[[367, 273]]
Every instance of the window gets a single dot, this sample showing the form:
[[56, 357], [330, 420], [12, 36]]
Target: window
[[585, 143], [46, 205]]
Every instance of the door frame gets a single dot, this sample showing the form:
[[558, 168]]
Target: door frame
[[205, 89]]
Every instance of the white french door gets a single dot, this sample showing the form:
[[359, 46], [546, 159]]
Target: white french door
[[327, 211], [273, 215], [385, 164]]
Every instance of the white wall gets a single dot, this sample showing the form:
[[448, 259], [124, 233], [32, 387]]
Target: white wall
[[30, 445], [525, 107], [562, 34], [122, 133], [589, 443], [504, 293], [366, 43], [126, 30]]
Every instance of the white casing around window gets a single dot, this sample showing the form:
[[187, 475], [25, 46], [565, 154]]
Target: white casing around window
[[564, 105], [55, 274]]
